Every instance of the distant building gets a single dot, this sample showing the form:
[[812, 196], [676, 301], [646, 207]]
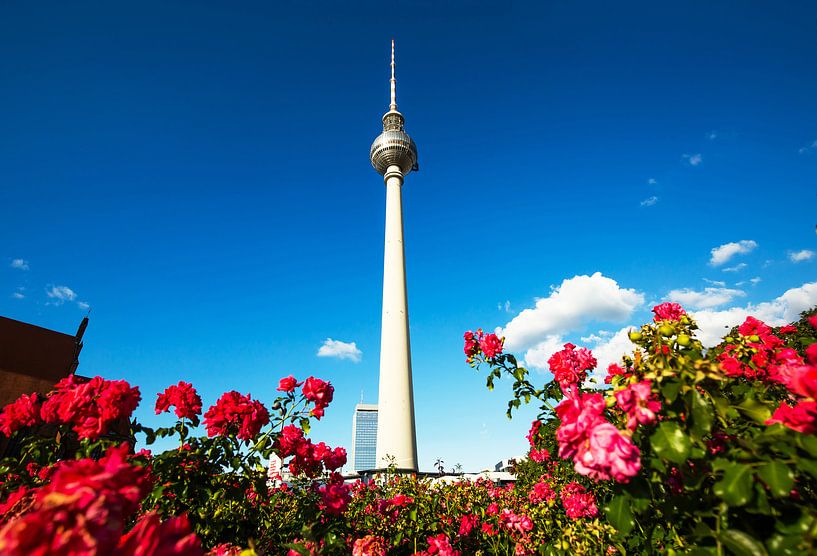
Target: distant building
[[507, 465], [364, 437], [33, 359]]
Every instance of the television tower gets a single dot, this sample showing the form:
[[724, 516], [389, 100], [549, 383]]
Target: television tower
[[394, 155]]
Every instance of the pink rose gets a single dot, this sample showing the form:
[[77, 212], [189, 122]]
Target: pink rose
[[800, 379], [534, 429], [638, 401], [539, 455], [802, 417], [608, 454], [369, 546], [570, 365], [491, 346], [541, 492], [578, 414], [578, 502], [467, 524], [668, 311]]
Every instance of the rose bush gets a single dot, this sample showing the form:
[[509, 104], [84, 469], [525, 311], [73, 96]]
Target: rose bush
[[676, 450], [688, 450]]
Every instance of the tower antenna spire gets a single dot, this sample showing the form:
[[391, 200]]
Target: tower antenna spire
[[393, 81]]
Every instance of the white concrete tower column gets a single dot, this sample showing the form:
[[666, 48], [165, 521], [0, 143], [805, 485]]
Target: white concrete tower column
[[394, 155]]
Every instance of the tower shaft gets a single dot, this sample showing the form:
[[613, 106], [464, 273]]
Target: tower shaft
[[396, 441]]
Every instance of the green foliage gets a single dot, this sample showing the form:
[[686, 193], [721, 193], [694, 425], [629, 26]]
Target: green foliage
[[715, 477]]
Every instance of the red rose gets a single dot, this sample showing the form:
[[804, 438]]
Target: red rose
[[183, 397], [335, 495], [90, 407], [24, 412], [236, 414], [83, 510], [471, 344], [150, 535], [289, 439], [320, 393], [335, 459], [288, 384]]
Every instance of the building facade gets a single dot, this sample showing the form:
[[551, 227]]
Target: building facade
[[364, 438]]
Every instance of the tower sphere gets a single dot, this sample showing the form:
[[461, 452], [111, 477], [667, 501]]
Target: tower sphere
[[393, 147]]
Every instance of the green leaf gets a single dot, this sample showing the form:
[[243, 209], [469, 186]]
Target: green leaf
[[784, 545], [810, 466], [701, 551], [619, 514], [736, 486], [702, 415], [797, 524], [670, 442], [305, 426], [742, 544], [808, 443], [778, 477], [670, 389], [721, 406], [754, 410]]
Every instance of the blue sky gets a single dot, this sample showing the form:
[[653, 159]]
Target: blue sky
[[199, 177]]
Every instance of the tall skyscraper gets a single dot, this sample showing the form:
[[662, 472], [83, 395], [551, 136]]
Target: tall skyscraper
[[364, 437], [394, 155]]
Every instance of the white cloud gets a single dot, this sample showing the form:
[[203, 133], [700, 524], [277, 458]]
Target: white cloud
[[694, 159], [596, 338], [572, 305], [800, 256], [60, 294], [652, 181], [504, 306], [737, 268], [19, 264], [718, 283], [804, 150], [649, 201], [18, 295], [84, 305], [723, 253], [784, 309], [537, 356], [340, 350], [756, 280], [712, 135], [706, 299]]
